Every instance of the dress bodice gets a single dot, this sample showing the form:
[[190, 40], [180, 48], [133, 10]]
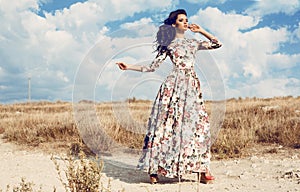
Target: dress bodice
[[182, 53]]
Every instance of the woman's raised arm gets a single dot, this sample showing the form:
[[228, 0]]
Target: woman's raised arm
[[214, 42], [124, 66]]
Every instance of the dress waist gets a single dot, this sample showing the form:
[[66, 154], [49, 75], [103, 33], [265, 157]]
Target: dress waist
[[183, 69]]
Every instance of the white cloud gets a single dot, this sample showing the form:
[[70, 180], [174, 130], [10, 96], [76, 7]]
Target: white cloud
[[51, 47], [201, 2], [140, 28], [92, 15], [297, 32], [62, 76], [265, 7], [18, 6], [227, 28], [223, 24], [283, 61], [243, 53], [78, 18], [271, 87], [129, 7], [2, 87], [249, 54], [143, 21], [134, 50], [260, 44]]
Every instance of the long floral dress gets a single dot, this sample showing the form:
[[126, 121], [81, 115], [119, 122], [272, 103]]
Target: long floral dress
[[178, 136]]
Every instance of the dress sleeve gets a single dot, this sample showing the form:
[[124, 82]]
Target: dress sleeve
[[212, 44], [155, 63]]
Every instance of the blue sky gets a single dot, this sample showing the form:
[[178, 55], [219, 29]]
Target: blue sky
[[68, 48]]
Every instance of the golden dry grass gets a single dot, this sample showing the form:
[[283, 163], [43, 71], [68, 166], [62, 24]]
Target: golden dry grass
[[259, 121], [35, 124], [247, 122]]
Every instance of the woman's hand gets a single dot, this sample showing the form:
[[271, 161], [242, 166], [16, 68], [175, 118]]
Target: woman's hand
[[122, 66], [195, 28], [215, 43]]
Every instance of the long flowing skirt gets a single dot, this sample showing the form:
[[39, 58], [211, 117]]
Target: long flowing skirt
[[178, 136]]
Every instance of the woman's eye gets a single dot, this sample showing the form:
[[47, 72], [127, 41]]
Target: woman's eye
[[181, 20]]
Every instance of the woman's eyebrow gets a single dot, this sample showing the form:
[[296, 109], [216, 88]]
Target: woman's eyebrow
[[183, 18]]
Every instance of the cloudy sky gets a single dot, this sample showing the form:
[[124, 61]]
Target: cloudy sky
[[68, 48]]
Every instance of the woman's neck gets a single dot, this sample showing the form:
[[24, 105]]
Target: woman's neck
[[179, 34]]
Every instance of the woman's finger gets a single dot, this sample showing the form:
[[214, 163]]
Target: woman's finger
[[121, 65]]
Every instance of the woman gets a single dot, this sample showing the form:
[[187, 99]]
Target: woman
[[178, 136]]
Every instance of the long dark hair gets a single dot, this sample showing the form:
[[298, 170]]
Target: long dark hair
[[166, 32]]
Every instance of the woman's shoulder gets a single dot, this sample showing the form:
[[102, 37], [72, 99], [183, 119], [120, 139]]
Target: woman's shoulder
[[182, 41], [194, 40]]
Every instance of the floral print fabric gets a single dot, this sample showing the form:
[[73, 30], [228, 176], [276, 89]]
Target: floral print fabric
[[178, 136]]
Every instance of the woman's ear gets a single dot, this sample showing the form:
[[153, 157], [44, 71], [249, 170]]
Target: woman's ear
[[174, 25]]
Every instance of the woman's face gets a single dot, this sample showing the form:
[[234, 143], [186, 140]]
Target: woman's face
[[181, 22]]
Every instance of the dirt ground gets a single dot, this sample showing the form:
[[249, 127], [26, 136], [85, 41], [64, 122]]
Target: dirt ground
[[269, 168]]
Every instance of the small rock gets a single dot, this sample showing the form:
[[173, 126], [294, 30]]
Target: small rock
[[254, 158], [228, 173], [295, 156], [224, 163], [243, 175], [266, 161], [270, 108]]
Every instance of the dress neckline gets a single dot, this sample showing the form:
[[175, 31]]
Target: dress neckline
[[180, 38]]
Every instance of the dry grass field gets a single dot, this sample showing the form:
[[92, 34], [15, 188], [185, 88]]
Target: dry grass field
[[248, 122]]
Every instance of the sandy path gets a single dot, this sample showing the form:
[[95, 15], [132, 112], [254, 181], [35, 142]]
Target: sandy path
[[35, 167], [270, 172]]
